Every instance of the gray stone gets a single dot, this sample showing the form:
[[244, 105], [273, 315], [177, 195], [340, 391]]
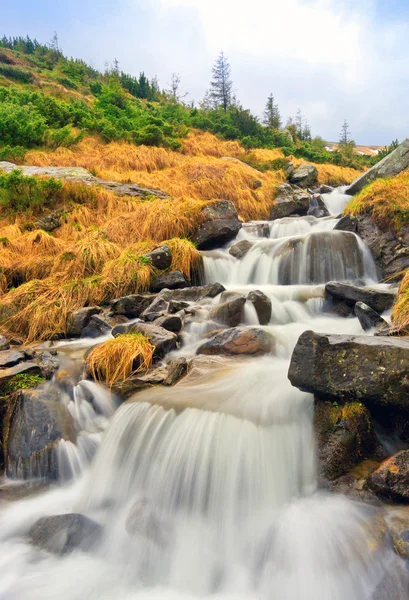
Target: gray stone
[[393, 164], [51, 221], [161, 257], [22, 368], [347, 223], [80, 319], [48, 364], [141, 381], [305, 175], [221, 224], [4, 343], [130, 306], [163, 340], [193, 294], [229, 313], [291, 200], [390, 480], [262, 304], [157, 308], [378, 300], [10, 358], [170, 281], [97, 326], [240, 249], [236, 341], [317, 207], [177, 370], [62, 534], [368, 317], [176, 306], [372, 370], [169, 322], [326, 189]]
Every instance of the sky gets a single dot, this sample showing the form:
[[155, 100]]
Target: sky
[[333, 59]]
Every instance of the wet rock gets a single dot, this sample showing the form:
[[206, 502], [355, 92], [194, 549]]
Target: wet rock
[[193, 294], [177, 369], [169, 322], [62, 534], [393, 164], [39, 420], [97, 326], [24, 371], [51, 221], [249, 341], [4, 343], [318, 207], [142, 520], [378, 300], [221, 224], [262, 304], [157, 308], [161, 257], [261, 230], [163, 340], [80, 175], [229, 313], [291, 200], [170, 281], [326, 189], [399, 530], [305, 175], [368, 317], [347, 223], [373, 370], [176, 306], [80, 319], [10, 358], [130, 306], [345, 436], [390, 480], [240, 249], [48, 364], [141, 381]]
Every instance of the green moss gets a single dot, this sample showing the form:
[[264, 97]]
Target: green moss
[[22, 381]]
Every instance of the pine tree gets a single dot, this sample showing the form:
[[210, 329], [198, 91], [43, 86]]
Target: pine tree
[[221, 86], [345, 134], [272, 117], [175, 88], [299, 124]]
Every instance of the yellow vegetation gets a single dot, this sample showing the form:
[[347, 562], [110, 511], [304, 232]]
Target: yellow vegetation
[[334, 175], [118, 358], [400, 313]]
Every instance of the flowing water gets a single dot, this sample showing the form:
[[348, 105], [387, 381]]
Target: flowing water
[[209, 488]]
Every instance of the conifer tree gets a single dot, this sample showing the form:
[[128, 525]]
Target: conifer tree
[[272, 117], [221, 86]]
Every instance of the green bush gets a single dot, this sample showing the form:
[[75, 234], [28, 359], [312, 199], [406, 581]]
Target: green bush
[[12, 153], [18, 192], [16, 74]]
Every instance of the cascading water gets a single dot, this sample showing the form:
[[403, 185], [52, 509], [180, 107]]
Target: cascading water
[[209, 488]]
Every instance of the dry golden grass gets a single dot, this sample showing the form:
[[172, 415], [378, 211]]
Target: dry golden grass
[[117, 359], [387, 199], [185, 258], [335, 175], [400, 313], [198, 143], [129, 273]]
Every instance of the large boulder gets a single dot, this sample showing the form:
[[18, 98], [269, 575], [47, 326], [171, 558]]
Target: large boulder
[[393, 164], [170, 281], [96, 327], [318, 207], [347, 223], [378, 300], [24, 371], [130, 306], [262, 304], [368, 317], [38, 422], [249, 341], [221, 224], [345, 436], [169, 322], [291, 200], [193, 294], [79, 319], [11, 358], [229, 313], [390, 480], [62, 534], [305, 175], [240, 249], [160, 258], [163, 340], [368, 369]]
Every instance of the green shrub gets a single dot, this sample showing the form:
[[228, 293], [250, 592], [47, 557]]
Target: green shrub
[[18, 192], [17, 74]]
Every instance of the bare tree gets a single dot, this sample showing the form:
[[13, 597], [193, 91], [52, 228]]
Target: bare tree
[[175, 88], [221, 86]]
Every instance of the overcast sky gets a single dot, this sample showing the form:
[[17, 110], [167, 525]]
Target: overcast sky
[[331, 58]]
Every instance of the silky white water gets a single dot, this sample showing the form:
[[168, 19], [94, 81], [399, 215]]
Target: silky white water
[[209, 488]]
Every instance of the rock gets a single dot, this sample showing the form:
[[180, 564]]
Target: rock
[[368, 317], [10, 358], [399, 530], [368, 369], [177, 370], [240, 249], [163, 340], [378, 300], [48, 364], [170, 323], [393, 164], [80, 319], [249, 341], [304, 175], [143, 521], [326, 189], [193, 294], [39, 420], [80, 175], [157, 308], [161, 257], [317, 207], [62, 534], [141, 381], [347, 223], [221, 224], [51, 221], [130, 306], [390, 480], [176, 306], [261, 230], [229, 313], [345, 436], [23, 369], [170, 281], [4, 344], [262, 304], [291, 200], [96, 328]]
